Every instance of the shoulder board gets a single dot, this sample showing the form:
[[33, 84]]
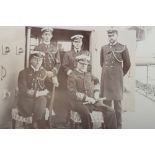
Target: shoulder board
[[122, 48]]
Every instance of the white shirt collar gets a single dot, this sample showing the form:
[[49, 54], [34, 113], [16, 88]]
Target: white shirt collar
[[77, 50]]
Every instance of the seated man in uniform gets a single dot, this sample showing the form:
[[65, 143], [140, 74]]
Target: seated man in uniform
[[69, 63], [32, 91], [81, 91]]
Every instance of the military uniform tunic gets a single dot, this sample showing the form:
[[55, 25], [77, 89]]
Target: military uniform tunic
[[34, 80], [80, 84], [115, 63], [51, 61]]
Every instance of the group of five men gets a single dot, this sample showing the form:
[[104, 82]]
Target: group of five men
[[36, 82]]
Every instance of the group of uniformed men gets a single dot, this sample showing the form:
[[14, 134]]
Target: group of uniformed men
[[36, 82]]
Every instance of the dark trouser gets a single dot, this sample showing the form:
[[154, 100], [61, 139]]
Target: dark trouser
[[84, 114], [84, 111], [30, 106], [118, 111], [108, 113], [39, 108]]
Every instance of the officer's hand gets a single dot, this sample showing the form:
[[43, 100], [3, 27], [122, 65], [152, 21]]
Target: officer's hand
[[55, 81], [97, 95], [90, 100], [50, 74], [30, 92]]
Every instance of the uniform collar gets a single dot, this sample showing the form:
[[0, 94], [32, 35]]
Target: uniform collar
[[34, 69], [113, 43], [46, 43], [76, 50]]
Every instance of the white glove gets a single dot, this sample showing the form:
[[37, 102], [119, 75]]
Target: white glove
[[90, 100]]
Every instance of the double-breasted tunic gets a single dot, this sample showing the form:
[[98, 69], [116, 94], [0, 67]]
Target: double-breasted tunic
[[51, 61], [115, 63]]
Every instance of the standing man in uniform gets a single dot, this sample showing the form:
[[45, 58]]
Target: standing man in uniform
[[81, 90], [115, 63], [32, 90], [69, 62], [51, 61]]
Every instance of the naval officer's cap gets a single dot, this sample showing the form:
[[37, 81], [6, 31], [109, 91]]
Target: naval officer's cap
[[47, 29], [112, 31], [37, 54], [77, 37]]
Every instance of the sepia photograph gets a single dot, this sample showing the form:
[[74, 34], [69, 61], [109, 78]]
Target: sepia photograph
[[77, 77]]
